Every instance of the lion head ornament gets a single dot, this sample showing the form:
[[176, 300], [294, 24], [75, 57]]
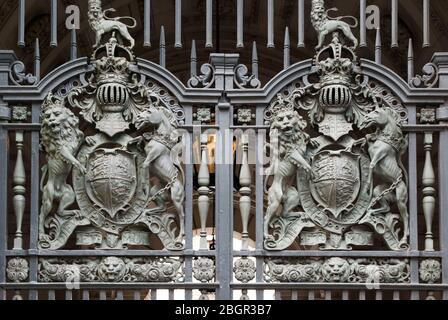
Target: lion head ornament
[[336, 270], [112, 269]]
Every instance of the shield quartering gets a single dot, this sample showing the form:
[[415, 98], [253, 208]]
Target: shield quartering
[[336, 184], [111, 179]]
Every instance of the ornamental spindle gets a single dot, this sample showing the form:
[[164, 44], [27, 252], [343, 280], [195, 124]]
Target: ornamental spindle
[[429, 192], [19, 179], [286, 50], [245, 182], [203, 201]]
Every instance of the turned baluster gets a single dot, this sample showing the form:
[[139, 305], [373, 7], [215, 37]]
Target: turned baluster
[[245, 182], [429, 192], [203, 201], [19, 190]]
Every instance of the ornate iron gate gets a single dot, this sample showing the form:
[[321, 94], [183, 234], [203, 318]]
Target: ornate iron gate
[[116, 176]]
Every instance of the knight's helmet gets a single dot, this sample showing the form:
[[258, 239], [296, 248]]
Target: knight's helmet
[[95, 6], [335, 65]]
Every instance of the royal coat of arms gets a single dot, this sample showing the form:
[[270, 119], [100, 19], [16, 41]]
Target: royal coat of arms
[[97, 182], [337, 177]]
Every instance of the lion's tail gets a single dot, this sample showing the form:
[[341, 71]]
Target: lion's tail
[[355, 25], [130, 26]]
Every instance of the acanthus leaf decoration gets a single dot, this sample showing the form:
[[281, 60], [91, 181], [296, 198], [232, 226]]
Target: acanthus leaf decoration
[[338, 270], [110, 269]]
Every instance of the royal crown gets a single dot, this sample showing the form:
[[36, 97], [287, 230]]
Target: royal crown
[[94, 5], [281, 104], [52, 101]]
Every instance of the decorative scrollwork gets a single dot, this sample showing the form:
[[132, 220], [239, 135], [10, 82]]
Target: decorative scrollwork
[[204, 269], [110, 269], [17, 270], [205, 79], [429, 78], [430, 271], [243, 80], [18, 76], [244, 270], [338, 270]]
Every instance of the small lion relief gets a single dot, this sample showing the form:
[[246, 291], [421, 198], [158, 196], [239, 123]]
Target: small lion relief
[[99, 182], [336, 175]]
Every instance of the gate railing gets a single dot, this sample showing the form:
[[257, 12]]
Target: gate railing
[[224, 132]]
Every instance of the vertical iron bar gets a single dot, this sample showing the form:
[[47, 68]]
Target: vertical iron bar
[[21, 28], [189, 200], [394, 25], [147, 24], [224, 207], [426, 22], [4, 153], [178, 27], [162, 47], [443, 199], [54, 23], [209, 24], [362, 24], [378, 48], [254, 60], [37, 60], [51, 295], [73, 45], [270, 24], [240, 24], [413, 192], [301, 24], [259, 198], [311, 295], [35, 189]]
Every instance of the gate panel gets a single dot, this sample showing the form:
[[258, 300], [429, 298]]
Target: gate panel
[[92, 198]]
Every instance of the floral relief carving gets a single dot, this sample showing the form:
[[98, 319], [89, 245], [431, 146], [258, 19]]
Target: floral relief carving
[[17, 270], [204, 269], [430, 271], [244, 270]]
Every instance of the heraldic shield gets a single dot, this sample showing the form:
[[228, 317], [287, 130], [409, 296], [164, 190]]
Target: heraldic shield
[[111, 179], [336, 182]]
